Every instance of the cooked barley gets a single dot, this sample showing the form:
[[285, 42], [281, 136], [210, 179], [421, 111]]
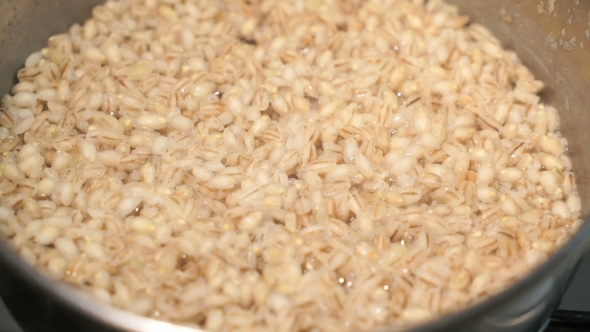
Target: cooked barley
[[265, 166]]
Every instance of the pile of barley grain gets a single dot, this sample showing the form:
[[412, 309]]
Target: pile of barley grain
[[317, 165]]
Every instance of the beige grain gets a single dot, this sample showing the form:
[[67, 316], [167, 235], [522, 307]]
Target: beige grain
[[267, 166]]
